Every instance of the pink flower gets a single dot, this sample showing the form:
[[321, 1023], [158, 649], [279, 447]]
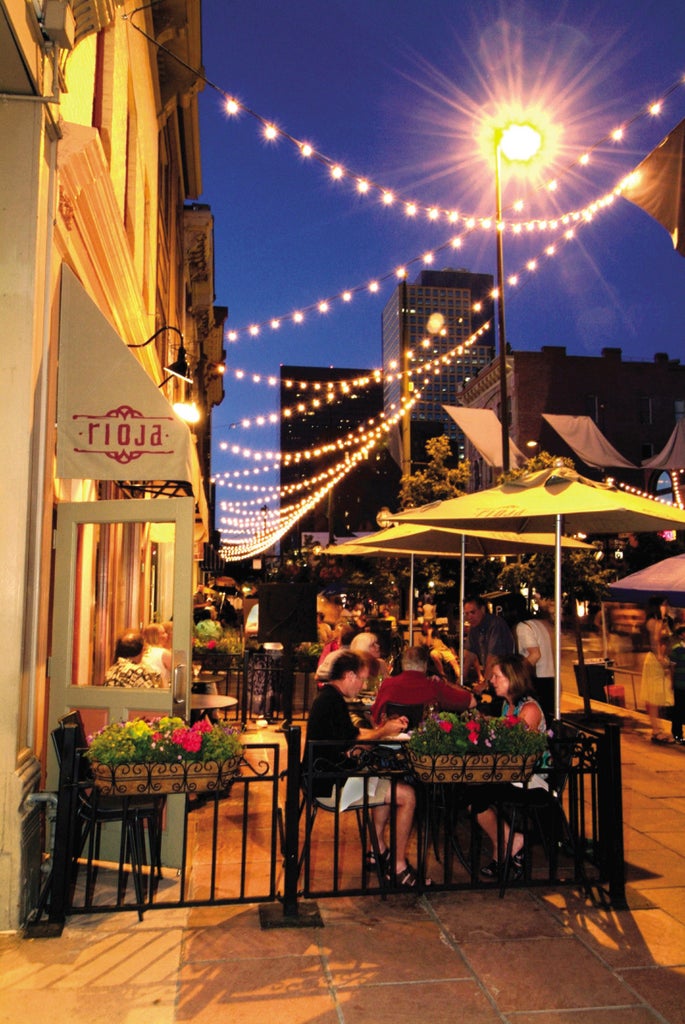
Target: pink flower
[[211, 644]]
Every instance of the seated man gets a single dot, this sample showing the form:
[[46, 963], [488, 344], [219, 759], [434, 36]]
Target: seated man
[[329, 719], [414, 686], [127, 669]]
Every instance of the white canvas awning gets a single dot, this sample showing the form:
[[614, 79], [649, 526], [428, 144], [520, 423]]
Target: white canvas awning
[[673, 455], [584, 437], [113, 422], [484, 431]]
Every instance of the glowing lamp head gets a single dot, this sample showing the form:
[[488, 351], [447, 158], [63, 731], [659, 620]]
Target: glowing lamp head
[[519, 142]]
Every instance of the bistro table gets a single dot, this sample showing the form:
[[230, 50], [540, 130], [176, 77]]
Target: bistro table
[[204, 703]]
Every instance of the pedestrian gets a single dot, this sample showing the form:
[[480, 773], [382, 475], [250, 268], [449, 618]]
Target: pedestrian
[[677, 658], [488, 639]]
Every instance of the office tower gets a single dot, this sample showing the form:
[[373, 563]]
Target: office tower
[[435, 340], [320, 406]]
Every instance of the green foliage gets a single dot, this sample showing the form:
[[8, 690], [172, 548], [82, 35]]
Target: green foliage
[[163, 740], [543, 460], [230, 643], [436, 482], [473, 733]]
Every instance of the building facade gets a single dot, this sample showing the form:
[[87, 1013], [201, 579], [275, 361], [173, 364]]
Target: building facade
[[635, 404], [437, 334], [108, 312]]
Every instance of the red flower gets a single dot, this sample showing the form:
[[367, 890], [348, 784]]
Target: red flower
[[211, 644], [445, 726]]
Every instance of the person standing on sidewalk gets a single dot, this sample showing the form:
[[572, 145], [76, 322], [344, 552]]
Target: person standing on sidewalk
[[657, 690], [488, 639], [535, 641], [677, 657]]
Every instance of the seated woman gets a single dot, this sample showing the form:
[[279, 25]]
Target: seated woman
[[512, 681], [367, 643], [206, 626], [156, 653]]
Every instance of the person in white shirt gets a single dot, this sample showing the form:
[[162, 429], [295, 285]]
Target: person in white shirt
[[535, 641]]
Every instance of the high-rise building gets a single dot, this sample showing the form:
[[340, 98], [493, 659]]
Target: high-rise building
[[438, 333], [328, 404]]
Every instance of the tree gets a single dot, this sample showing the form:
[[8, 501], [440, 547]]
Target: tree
[[437, 481]]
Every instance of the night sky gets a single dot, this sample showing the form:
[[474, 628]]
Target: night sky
[[401, 94]]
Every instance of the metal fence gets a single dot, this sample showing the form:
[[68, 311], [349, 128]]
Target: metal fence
[[248, 845]]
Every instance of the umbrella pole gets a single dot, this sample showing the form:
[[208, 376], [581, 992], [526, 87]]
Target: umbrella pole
[[557, 617], [411, 600], [462, 596]]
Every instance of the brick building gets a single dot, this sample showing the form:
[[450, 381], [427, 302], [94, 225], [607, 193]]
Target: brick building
[[634, 403]]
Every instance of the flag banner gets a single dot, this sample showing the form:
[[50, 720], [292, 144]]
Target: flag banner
[[656, 186]]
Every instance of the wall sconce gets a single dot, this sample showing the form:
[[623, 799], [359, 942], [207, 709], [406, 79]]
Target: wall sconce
[[179, 368]]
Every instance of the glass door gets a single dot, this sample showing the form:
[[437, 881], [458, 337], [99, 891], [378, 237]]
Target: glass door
[[119, 565]]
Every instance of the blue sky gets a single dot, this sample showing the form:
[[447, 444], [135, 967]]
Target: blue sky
[[395, 91]]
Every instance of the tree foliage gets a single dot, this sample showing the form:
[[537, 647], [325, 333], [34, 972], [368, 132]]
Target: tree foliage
[[437, 481]]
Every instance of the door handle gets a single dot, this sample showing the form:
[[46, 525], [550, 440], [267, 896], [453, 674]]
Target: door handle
[[179, 687]]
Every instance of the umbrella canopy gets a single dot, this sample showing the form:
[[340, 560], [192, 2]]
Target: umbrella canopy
[[666, 577], [439, 542], [532, 504], [558, 499]]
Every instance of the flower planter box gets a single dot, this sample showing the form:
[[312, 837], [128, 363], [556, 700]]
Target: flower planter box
[[472, 768], [155, 779]]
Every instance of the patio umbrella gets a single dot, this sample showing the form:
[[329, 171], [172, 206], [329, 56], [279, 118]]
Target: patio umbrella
[[438, 542], [557, 499], [666, 577]]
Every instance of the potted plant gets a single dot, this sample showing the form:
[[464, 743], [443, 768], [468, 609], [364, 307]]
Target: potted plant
[[164, 755], [471, 747]]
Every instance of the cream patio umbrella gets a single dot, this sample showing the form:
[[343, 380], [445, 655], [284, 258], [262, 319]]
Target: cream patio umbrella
[[438, 542], [558, 500]]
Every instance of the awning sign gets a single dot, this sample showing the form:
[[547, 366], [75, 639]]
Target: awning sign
[[113, 422]]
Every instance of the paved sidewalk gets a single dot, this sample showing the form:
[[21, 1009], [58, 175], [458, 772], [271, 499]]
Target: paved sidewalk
[[535, 957]]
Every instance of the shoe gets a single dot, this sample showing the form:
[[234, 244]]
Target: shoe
[[490, 870], [407, 878], [517, 867], [370, 861], [663, 738]]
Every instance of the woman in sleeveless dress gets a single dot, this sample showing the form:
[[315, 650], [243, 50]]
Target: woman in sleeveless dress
[[512, 681]]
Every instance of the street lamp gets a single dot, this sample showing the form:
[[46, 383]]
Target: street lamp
[[517, 142]]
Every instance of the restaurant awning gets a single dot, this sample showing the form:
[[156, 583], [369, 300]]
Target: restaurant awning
[[484, 431], [113, 422], [584, 437]]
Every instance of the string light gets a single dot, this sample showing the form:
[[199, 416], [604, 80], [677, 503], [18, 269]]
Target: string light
[[364, 184], [585, 215]]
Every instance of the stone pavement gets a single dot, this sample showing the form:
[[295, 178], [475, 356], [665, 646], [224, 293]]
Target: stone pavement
[[535, 957]]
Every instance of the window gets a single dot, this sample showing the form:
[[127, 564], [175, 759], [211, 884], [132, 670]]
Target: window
[[645, 409], [592, 407], [679, 408]]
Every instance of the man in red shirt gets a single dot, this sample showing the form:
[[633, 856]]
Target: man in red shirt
[[414, 686]]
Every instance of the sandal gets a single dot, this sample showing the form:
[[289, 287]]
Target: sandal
[[408, 878], [491, 870], [664, 738], [370, 860]]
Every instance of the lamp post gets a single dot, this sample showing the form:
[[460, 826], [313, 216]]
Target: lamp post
[[518, 142]]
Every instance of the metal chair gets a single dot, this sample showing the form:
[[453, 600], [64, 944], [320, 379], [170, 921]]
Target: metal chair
[[93, 811], [320, 768], [414, 713]]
